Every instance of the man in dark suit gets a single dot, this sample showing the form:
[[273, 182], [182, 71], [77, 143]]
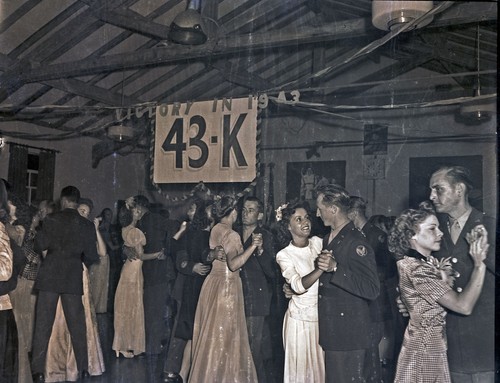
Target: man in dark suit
[[471, 339], [256, 276], [67, 239], [349, 281]]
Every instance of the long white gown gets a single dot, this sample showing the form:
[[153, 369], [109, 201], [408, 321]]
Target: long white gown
[[304, 357]]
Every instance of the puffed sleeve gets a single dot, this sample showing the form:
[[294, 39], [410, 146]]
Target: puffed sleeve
[[135, 237], [232, 244], [289, 272], [429, 283]]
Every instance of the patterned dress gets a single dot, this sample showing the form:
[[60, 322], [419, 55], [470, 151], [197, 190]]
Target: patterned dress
[[304, 357], [423, 355]]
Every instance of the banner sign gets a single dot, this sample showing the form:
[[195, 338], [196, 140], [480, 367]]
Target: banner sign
[[209, 141]]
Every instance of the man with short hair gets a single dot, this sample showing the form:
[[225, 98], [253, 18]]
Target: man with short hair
[[471, 339], [256, 274], [349, 281], [68, 239]]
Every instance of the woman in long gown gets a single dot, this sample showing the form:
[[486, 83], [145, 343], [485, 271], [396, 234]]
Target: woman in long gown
[[130, 338], [60, 364], [304, 357], [425, 284], [220, 348]]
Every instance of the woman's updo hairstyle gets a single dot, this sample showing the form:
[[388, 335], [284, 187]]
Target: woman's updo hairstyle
[[405, 227], [223, 207], [283, 215]]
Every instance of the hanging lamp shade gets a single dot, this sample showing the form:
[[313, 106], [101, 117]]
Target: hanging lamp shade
[[120, 132], [388, 14], [187, 27]]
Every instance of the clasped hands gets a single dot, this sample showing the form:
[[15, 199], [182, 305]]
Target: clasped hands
[[326, 261]]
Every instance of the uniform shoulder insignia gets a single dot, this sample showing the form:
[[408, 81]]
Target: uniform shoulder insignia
[[184, 264], [381, 238], [361, 250]]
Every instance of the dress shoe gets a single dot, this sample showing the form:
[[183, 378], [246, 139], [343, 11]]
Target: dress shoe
[[171, 377], [38, 378], [85, 374]]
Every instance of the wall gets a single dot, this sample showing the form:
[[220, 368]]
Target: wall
[[117, 177], [389, 195]]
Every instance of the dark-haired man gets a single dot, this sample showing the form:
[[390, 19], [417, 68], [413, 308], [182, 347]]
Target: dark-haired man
[[471, 339], [349, 281], [256, 276], [68, 239]]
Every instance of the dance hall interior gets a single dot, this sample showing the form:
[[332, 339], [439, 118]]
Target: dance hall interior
[[246, 169]]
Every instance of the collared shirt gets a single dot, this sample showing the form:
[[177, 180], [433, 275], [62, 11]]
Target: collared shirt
[[461, 220]]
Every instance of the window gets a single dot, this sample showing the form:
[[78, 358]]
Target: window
[[32, 178]]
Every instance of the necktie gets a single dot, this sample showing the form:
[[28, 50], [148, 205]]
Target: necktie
[[455, 231]]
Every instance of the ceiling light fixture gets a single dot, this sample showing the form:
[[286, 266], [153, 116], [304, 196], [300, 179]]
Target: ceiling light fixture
[[388, 14], [187, 27], [120, 132], [477, 110]]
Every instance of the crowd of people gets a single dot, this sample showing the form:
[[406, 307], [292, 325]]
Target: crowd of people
[[318, 295]]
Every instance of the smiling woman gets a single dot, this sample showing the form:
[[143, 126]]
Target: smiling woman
[[304, 357]]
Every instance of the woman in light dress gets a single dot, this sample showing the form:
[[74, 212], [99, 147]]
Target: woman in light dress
[[220, 348], [130, 338], [304, 357], [425, 284]]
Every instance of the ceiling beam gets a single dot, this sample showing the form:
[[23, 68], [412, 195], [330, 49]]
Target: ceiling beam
[[467, 13]]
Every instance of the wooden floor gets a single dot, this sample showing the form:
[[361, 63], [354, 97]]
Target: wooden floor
[[147, 369]]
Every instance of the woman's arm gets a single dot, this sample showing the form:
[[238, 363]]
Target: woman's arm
[[101, 245], [309, 279], [463, 303], [235, 260]]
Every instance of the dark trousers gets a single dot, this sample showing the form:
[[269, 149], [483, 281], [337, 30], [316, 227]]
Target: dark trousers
[[255, 329], [373, 366], [8, 347], [155, 301], [173, 362], [345, 366], [44, 320]]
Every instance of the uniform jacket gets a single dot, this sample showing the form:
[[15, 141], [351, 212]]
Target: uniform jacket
[[257, 274], [344, 315], [471, 339], [69, 239]]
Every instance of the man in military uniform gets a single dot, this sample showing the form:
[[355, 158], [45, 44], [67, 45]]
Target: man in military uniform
[[348, 283], [471, 339]]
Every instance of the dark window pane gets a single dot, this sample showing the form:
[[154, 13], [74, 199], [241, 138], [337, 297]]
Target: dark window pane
[[33, 161], [33, 195], [34, 179]]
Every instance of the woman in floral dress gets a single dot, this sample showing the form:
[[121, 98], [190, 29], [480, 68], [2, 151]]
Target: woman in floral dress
[[425, 285]]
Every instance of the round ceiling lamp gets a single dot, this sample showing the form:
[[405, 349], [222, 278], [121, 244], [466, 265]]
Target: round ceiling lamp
[[388, 14], [120, 132], [187, 27]]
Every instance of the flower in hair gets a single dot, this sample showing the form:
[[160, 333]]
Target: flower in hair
[[279, 212]]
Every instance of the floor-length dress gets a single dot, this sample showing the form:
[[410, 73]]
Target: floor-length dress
[[129, 308], [423, 354], [99, 281], [60, 364], [221, 351], [304, 357]]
